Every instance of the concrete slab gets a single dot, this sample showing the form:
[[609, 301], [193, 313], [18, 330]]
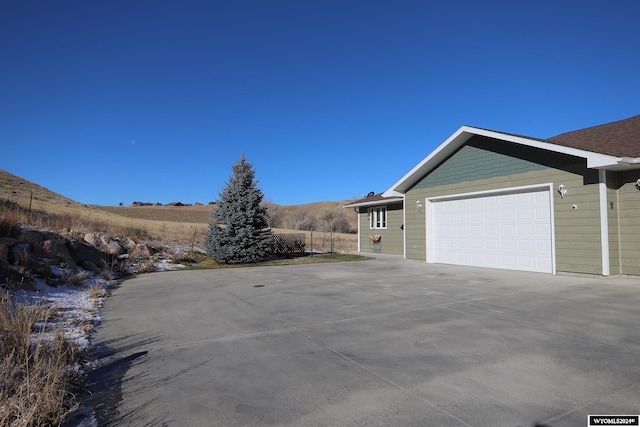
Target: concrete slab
[[384, 342]]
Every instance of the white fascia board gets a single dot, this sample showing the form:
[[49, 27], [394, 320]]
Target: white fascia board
[[625, 163], [462, 135], [440, 153], [386, 201], [594, 160]]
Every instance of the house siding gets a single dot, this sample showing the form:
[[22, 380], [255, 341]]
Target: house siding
[[628, 219], [472, 163], [576, 216], [392, 236]]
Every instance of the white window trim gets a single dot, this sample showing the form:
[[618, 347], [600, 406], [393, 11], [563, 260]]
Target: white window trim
[[373, 213]]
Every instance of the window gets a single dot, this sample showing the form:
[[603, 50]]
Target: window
[[377, 217]]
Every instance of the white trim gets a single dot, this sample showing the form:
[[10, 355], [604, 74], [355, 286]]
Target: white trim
[[358, 217], [464, 133], [500, 191], [378, 202], [506, 190], [604, 222], [552, 219], [377, 216], [404, 226], [428, 225]]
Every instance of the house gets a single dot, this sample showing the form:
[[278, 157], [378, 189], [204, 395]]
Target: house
[[570, 203]]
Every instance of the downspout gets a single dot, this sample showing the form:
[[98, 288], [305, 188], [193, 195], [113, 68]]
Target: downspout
[[604, 221]]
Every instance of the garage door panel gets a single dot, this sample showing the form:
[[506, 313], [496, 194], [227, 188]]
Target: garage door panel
[[508, 261], [508, 230], [508, 245], [490, 216], [504, 231]]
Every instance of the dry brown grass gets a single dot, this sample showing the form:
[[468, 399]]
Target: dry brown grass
[[177, 224], [35, 377]]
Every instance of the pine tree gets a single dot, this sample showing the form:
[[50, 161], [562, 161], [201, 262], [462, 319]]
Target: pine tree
[[238, 232]]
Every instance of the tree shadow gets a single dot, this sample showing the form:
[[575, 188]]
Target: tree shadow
[[102, 395]]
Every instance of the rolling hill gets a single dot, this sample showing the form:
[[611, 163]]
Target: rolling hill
[[179, 222]]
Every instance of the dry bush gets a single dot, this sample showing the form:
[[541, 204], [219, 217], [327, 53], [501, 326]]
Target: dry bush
[[9, 220], [35, 377], [96, 291], [112, 267], [34, 389], [17, 321], [73, 277]]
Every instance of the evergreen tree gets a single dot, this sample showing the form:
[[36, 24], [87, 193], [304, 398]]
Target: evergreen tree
[[238, 232]]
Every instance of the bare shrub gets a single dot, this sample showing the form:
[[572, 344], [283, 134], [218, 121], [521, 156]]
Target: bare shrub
[[302, 220], [334, 219], [73, 277], [17, 321], [111, 267], [96, 291], [274, 215], [9, 220]]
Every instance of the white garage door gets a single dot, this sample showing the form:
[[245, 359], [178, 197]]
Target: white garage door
[[511, 231]]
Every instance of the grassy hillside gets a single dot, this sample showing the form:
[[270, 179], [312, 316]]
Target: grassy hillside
[[22, 191], [179, 224]]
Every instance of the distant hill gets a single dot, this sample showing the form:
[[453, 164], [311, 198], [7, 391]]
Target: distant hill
[[21, 190]]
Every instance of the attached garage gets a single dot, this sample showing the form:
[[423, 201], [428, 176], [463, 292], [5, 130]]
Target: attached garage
[[509, 229], [484, 198]]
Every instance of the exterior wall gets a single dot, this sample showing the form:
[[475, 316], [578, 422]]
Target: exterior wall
[[628, 219], [613, 213], [487, 164], [392, 236]]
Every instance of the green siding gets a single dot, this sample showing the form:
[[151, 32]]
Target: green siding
[[472, 164], [392, 236], [628, 219]]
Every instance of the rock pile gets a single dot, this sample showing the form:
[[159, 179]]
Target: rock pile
[[29, 252]]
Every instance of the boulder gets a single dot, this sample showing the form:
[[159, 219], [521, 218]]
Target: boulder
[[89, 266], [40, 267], [4, 253], [143, 251], [129, 244], [92, 238], [84, 252], [20, 254], [104, 242], [8, 241], [54, 249], [29, 237]]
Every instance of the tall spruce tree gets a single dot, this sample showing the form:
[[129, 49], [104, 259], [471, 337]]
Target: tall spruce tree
[[238, 232]]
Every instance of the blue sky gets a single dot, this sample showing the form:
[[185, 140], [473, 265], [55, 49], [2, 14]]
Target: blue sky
[[115, 101]]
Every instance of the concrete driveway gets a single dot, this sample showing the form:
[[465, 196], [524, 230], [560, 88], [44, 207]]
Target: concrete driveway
[[386, 342]]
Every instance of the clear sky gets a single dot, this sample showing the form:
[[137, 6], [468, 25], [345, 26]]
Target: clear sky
[[109, 101]]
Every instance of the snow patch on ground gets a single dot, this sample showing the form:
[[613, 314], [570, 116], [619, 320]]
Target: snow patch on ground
[[77, 308]]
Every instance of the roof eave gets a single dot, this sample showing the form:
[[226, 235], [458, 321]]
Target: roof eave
[[439, 154], [464, 133], [622, 164], [385, 201]]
